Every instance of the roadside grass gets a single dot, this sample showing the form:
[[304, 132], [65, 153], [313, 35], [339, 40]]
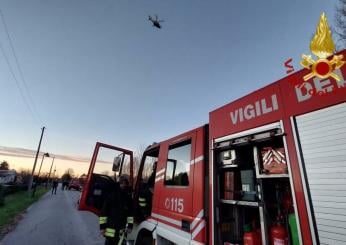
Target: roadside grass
[[15, 204]]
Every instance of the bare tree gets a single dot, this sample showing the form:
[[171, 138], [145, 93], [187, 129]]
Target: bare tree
[[68, 175], [138, 157], [147, 170], [138, 154], [340, 28], [70, 171]]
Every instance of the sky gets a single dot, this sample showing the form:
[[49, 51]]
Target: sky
[[99, 71]]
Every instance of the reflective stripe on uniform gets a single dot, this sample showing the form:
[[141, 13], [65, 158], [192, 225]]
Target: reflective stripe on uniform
[[103, 220], [122, 237], [130, 220], [110, 232], [142, 204]]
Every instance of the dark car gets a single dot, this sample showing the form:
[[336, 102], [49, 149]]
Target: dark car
[[74, 184]]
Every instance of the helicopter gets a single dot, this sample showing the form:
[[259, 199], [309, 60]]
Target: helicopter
[[156, 22]]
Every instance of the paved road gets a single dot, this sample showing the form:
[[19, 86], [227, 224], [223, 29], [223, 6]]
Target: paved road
[[55, 220]]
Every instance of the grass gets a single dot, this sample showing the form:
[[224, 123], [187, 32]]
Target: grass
[[15, 204]]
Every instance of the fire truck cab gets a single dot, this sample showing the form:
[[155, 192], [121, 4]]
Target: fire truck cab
[[171, 179], [269, 168]]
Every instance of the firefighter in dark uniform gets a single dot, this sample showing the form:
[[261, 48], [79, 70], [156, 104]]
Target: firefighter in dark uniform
[[145, 197], [144, 202], [116, 214]]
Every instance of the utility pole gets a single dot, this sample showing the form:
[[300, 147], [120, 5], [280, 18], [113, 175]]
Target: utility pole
[[33, 168], [39, 170], [50, 170]]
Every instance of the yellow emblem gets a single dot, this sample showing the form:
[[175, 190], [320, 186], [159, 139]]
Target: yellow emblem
[[322, 46]]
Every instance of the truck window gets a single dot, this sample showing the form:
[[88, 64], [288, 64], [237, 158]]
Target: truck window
[[104, 162], [178, 164], [126, 169], [148, 168]]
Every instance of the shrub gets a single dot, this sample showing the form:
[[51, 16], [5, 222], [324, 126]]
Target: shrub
[[9, 189]]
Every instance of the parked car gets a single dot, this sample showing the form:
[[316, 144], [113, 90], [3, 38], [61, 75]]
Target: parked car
[[74, 184]]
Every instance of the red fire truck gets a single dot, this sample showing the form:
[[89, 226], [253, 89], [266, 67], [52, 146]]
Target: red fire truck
[[268, 168]]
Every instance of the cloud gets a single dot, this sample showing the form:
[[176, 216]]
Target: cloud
[[26, 153]]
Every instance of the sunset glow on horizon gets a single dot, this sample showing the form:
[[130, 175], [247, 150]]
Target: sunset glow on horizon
[[22, 159]]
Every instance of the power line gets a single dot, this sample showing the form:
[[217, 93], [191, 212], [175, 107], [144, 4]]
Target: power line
[[17, 83], [31, 101]]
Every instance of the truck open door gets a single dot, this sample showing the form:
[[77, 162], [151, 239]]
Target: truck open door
[[107, 164]]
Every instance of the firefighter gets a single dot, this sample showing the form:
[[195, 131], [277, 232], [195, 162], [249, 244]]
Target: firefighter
[[144, 201], [146, 195], [55, 186], [116, 215]]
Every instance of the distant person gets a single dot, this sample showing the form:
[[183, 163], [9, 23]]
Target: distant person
[[62, 185], [65, 185], [34, 186], [55, 186]]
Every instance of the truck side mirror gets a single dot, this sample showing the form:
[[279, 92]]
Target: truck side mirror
[[118, 162]]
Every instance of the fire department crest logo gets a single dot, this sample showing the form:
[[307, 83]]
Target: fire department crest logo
[[322, 46]]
